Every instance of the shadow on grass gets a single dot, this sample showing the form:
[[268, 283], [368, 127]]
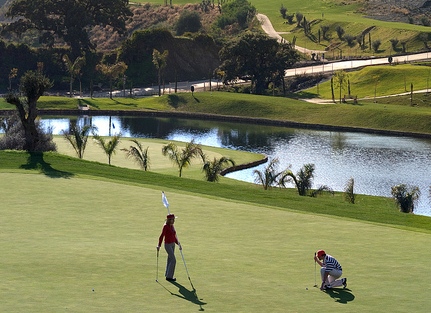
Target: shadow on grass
[[341, 295], [304, 95], [89, 103], [184, 293], [196, 99], [175, 101], [35, 161]]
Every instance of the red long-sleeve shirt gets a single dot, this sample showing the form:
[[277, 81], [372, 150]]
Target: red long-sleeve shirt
[[169, 233]]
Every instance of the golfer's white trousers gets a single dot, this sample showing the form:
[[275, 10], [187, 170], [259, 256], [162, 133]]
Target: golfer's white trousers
[[333, 276]]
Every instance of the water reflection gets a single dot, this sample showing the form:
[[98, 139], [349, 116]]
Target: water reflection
[[375, 162]]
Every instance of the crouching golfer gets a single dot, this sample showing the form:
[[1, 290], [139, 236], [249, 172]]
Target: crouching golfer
[[170, 235], [330, 271]]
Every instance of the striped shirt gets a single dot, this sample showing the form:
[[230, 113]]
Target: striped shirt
[[331, 263]]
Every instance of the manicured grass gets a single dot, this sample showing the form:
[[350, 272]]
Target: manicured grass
[[158, 162], [379, 81], [77, 226], [373, 209]]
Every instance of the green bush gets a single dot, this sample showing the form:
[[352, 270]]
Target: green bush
[[189, 21]]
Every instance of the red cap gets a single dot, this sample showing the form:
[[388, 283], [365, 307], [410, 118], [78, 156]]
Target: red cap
[[320, 253], [170, 216]]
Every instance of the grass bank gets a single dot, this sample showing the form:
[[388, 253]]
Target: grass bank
[[368, 208], [365, 116], [380, 80]]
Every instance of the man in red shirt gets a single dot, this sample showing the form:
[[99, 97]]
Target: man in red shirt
[[170, 235]]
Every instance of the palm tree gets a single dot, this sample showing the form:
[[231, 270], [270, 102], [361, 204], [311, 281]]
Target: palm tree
[[160, 62], [340, 79], [405, 197], [74, 68], [108, 147], [268, 176], [12, 74], [138, 154], [213, 168], [349, 194], [112, 72], [182, 158], [303, 179], [77, 136]]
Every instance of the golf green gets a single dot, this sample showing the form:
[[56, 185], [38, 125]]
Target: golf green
[[84, 245]]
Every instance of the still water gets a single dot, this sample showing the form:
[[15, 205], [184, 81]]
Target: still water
[[376, 162]]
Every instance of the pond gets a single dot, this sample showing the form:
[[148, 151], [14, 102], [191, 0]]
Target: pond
[[376, 162]]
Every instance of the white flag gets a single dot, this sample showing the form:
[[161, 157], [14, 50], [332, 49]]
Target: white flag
[[165, 200]]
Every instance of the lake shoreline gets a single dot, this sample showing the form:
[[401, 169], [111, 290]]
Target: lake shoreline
[[237, 119]]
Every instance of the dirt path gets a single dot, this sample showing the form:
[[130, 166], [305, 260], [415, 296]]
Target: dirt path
[[269, 29]]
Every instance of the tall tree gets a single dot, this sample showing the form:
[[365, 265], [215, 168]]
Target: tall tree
[[12, 74], [68, 20], [33, 84], [160, 61], [74, 68], [112, 71], [257, 57], [340, 79]]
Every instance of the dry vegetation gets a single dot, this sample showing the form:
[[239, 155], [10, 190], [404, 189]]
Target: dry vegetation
[[148, 16], [396, 10]]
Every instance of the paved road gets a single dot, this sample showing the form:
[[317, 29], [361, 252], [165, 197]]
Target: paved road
[[350, 64], [334, 65]]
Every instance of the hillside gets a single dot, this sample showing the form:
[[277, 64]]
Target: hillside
[[396, 11], [152, 16]]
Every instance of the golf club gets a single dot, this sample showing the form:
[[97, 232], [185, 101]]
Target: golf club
[[315, 281], [187, 271], [157, 268]]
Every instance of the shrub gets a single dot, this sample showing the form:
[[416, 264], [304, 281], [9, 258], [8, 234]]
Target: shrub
[[405, 197], [376, 45], [340, 32], [189, 21], [14, 138]]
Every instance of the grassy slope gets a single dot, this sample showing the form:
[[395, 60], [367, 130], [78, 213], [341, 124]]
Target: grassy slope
[[58, 166], [379, 81], [366, 115], [246, 249]]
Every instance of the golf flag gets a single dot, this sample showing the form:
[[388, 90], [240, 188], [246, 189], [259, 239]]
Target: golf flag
[[165, 200]]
